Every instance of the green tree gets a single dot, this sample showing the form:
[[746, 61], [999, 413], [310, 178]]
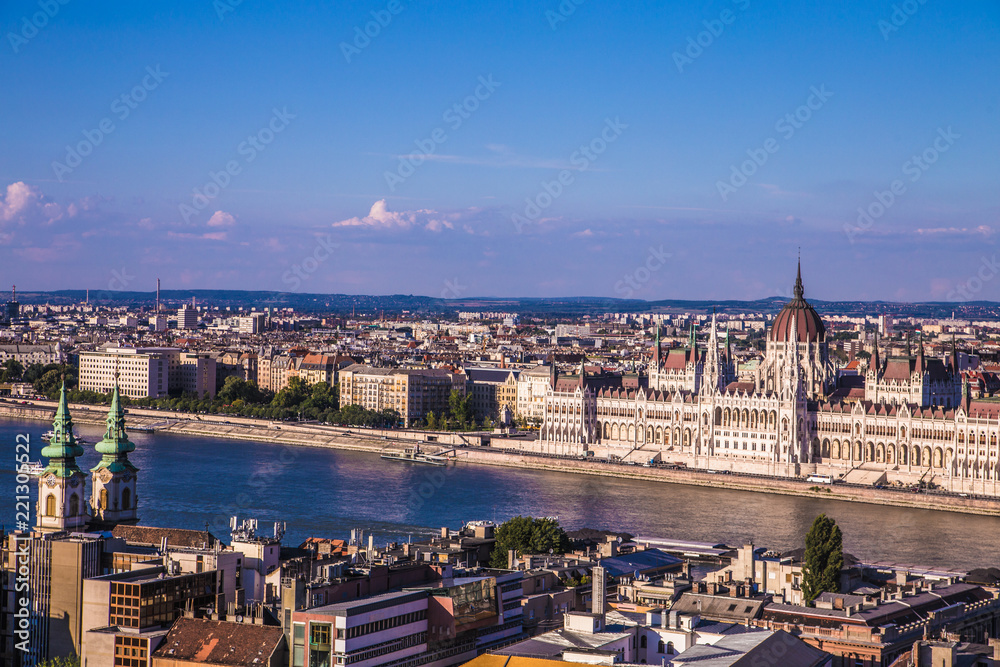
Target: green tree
[[824, 558], [12, 371], [460, 408], [432, 421], [527, 535]]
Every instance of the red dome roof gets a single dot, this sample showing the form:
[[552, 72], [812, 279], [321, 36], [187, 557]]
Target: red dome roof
[[798, 319]]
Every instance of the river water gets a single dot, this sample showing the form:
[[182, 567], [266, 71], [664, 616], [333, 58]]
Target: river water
[[188, 482]]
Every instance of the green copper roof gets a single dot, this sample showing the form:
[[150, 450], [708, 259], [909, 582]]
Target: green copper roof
[[115, 445], [62, 449]]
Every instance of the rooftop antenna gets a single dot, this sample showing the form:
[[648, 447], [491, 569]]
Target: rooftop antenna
[[13, 292], [157, 295]]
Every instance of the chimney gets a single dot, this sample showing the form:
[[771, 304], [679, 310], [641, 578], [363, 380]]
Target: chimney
[[599, 592]]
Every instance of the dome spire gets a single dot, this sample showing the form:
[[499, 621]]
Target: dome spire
[[798, 281]]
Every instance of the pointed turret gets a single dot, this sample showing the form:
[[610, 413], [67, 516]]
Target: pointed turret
[[62, 485], [920, 354], [62, 449], [875, 358], [656, 348], [114, 497], [954, 356]]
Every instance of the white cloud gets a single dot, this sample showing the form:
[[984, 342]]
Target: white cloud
[[221, 219], [982, 230], [24, 204], [380, 217]]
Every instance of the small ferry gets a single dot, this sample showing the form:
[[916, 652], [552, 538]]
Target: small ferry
[[414, 455], [33, 468]]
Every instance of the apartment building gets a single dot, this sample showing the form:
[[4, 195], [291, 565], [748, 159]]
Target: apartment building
[[32, 354], [142, 372], [150, 372], [493, 392], [411, 392], [187, 318]]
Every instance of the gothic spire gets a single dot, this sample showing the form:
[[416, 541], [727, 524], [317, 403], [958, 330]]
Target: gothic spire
[[799, 291], [656, 348]]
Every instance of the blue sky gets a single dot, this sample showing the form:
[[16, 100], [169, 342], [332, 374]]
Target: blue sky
[[652, 150]]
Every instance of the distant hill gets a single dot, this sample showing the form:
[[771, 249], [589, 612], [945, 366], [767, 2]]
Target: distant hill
[[557, 306]]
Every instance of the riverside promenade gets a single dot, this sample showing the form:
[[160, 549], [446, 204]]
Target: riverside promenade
[[485, 449]]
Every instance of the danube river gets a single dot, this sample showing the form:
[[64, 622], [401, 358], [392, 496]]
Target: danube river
[[189, 482]]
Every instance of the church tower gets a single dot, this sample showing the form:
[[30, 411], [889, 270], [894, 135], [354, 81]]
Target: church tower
[[114, 499], [62, 485]]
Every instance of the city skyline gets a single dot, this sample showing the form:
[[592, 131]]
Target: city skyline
[[574, 149]]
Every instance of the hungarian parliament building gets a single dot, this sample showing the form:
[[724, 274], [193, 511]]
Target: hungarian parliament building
[[913, 422]]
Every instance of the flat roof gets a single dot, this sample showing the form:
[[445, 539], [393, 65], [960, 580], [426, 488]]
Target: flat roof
[[368, 604]]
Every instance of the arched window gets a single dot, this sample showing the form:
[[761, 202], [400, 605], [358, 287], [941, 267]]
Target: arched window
[[659, 646], [642, 642], [50, 505], [126, 498], [104, 499], [670, 648], [74, 505]]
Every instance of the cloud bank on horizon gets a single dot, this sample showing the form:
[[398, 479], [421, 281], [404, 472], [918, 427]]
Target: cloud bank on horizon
[[874, 149]]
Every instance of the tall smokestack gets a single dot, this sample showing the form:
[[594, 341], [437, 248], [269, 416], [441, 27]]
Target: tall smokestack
[[157, 296], [599, 591]]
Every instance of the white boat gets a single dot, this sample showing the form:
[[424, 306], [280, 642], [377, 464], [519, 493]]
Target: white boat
[[33, 468], [414, 455]]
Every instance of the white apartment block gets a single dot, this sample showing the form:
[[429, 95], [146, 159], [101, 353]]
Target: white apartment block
[[147, 372]]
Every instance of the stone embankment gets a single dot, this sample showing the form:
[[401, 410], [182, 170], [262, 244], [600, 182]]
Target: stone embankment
[[469, 448]]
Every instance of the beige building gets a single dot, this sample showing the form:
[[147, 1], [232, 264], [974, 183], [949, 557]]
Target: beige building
[[411, 393], [493, 392], [777, 576], [532, 385]]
